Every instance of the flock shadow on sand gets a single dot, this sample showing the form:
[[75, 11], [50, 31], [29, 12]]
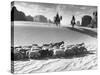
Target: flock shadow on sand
[[84, 31], [69, 57], [87, 53]]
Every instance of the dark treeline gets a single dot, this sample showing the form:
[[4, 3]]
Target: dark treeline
[[19, 16]]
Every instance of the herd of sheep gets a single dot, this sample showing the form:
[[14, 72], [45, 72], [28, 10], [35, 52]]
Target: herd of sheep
[[52, 50]]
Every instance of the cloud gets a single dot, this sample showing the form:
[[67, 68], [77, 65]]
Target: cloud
[[83, 8], [78, 13]]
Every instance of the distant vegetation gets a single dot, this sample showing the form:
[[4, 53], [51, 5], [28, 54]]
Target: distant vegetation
[[40, 18], [20, 16], [86, 20], [89, 21], [94, 20]]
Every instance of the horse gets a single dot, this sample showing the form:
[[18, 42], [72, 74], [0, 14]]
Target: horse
[[57, 19]]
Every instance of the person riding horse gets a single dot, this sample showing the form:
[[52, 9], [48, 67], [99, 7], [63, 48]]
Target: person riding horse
[[73, 21], [57, 19]]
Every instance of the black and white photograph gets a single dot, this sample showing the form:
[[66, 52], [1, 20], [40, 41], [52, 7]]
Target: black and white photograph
[[53, 37]]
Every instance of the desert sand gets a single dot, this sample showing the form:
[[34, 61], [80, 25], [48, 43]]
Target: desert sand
[[69, 36]]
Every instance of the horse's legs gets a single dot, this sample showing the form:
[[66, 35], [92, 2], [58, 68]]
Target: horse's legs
[[72, 26], [56, 24]]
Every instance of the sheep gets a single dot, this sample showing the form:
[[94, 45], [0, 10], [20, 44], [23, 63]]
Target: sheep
[[24, 53], [34, 54], [58, 52], [75, 49], [58, 44], [46, 53], [44, 47], [15, 54]]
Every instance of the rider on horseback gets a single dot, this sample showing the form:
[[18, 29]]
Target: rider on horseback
[[73, 21], [57, 19]]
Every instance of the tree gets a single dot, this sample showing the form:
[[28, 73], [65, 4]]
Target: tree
[[19, 15], [29, 18], [40, 18], [86, 20], [94, 20]]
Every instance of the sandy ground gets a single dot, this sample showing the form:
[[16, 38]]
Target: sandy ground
[[88, 62], [55, 65]]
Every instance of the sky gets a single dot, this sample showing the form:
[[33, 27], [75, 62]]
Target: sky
[[49, 10]]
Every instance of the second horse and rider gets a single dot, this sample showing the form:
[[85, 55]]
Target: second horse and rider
[[58, 18]]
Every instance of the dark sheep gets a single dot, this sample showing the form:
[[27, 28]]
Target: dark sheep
[[24, 53], [35, 55], [46, 53], [18, 56], [15, 54], [76, 50]]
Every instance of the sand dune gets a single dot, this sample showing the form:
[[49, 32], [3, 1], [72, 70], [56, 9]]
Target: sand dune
[[55, 65]]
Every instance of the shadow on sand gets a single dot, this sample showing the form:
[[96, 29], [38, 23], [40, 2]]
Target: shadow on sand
[[62, 57], [85, 31], [79, 55], [67, 56]]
